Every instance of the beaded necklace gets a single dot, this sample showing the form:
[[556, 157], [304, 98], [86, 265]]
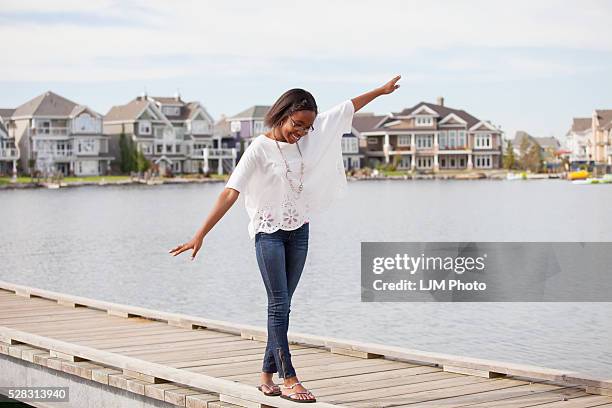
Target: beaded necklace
[[297, 191]]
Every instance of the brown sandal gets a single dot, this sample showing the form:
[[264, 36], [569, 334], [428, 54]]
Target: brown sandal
[[272, 387], [289, 396]]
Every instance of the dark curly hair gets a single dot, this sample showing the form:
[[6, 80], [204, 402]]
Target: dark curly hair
[[291, 101]]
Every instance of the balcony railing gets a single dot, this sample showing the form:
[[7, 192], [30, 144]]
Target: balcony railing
[[8, 153], [213, 153], [55, 153], [49, 131], [464, 147]]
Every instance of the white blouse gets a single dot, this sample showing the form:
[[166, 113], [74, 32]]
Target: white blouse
[[260, 173]]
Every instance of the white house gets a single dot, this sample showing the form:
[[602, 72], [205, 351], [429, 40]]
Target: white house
[[173, 134], [9, 154], [59, 135], [579, 141]]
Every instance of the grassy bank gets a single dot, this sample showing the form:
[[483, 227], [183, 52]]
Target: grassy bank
[[95, 179]]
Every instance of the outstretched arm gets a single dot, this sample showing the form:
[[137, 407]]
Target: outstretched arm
[[362, 100], [226, 199]]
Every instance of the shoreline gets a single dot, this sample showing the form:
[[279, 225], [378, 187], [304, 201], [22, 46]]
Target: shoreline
[[179, 180]]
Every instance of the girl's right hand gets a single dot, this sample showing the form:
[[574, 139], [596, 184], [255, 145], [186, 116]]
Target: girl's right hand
[[195, 243]]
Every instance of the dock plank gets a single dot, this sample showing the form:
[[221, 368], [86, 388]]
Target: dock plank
[[195, 362]]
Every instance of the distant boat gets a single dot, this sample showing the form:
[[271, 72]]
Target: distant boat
[[527, 176], [537, 176], [578, 175], [516, 176], [153, 182], [607, 179], [470, 176]]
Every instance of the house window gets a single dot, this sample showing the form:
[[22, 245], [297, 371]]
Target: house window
[[235, 126], [199, 127], [349, 145], [171, 110], [372, 140], [86, 123], [424, 162], [403, 140], [144, 127], [404, 162], [452, 139], [424, 121], [258, 126], [103, 146], [424, 141], [146, 148], [483, 161], [461, 139], [442, 140], [160, 148], [483, 141]]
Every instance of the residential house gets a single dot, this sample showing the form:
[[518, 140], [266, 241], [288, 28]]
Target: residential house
[[432, 137], [241, 128], [175, 135], [59, 135], [222, 135], [578, 141], [8, 149], [601, 137], [549, 147], [247, 125], [354, 144]]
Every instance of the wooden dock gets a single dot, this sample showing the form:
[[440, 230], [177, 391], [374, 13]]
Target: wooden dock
[[194, 362]]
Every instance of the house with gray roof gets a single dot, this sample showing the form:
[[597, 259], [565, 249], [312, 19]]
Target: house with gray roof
[[601, 137], [246, 125], [240, 129], [56, 134], [432, 137], [549, 147], [578, 142], [589, 140], [9, 154], [175, 135], [354, 144]]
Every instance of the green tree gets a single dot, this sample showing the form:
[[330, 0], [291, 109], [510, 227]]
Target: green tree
[[131, 158], [531, 156], [394, 163], [32, 167], [126, 159], [141, 162], [509, 157]]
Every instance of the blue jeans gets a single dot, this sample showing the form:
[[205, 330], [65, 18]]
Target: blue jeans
[[281, 256]]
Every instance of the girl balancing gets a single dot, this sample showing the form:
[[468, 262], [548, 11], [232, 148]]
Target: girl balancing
[[287, 174]]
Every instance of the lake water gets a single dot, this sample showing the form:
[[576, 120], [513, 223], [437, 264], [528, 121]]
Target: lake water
[[112, 244]]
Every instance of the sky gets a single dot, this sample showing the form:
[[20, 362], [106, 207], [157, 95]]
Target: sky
[[524, 65]]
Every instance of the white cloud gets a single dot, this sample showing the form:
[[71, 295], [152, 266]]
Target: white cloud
[[264, 32]]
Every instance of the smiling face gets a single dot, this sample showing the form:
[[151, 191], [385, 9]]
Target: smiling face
[[297, 125]]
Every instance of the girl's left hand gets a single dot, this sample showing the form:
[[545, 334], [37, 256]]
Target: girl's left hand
[[390, 86]]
